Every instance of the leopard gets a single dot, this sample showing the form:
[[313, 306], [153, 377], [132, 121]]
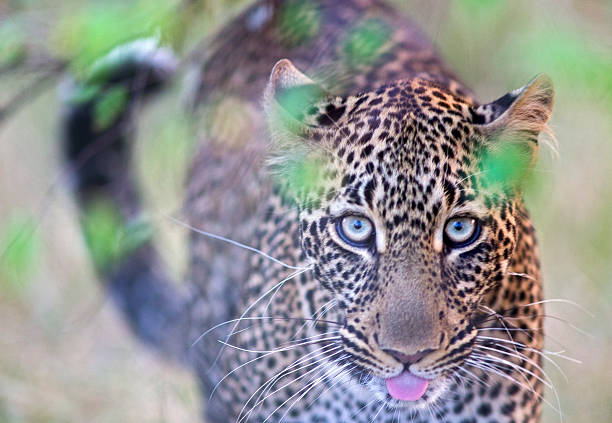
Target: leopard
[[359, 246]]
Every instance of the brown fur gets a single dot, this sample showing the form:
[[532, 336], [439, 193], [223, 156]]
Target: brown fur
[[396, 138]]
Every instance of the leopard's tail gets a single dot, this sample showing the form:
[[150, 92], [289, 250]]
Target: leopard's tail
[[97, 129]]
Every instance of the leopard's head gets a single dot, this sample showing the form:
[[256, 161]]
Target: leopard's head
[[408, 201]]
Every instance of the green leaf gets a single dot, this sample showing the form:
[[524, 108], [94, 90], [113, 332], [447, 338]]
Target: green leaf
[[12, 44], [485, 8], [19, 249], [135, 234], [365, 42], [306, 175], [90, 32], [296, 100], [299, 21], [506, 164], [572, 60], [83, 94], [102, 229], [108, 238], [109, 107]]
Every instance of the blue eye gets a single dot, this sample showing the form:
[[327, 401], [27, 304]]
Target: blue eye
[[461, 231], [356, 230]]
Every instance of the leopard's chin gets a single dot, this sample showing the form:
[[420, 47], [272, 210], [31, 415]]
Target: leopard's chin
[[435, 389]]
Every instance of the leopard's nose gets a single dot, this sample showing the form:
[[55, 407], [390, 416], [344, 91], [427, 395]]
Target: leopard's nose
[[407, 359]]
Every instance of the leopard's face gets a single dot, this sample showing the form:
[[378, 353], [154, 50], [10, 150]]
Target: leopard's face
[[403, 221]]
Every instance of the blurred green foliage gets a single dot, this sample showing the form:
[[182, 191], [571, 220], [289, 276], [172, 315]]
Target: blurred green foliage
[[92, 30], [299, 21], [102, 228], [486, 8], [107, 238], [519, 43], [572, 59], [506, 164], [365, 41], [19, 251], [12, 44], [304, 177], [299, 100], [108, 107]]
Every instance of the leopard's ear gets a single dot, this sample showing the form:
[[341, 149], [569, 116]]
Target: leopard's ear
[[300, 113], [285, 76], [288, 97], [520, 116], [510, 127], [295, 103]]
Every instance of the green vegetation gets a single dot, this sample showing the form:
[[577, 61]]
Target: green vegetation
[[19, 251], [92, 29], [505, 165], [365, 42], [106, 237], [12, 44], [109, 107], [299, 21]]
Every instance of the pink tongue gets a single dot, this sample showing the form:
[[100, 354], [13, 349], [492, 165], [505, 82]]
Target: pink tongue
[[406, 386]]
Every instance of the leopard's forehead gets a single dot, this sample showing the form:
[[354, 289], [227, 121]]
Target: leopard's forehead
[[408, 121], [409, 138]]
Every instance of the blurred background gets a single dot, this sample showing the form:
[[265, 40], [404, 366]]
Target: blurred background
[[65, 353]]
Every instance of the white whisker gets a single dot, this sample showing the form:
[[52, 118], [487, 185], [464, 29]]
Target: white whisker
[[235, 243]]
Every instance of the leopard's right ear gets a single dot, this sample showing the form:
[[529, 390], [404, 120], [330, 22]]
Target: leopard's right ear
[[295, 104], [300, 115], [289, 93]]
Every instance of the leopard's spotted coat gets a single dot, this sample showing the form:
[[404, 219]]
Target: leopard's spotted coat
[[393, 136]]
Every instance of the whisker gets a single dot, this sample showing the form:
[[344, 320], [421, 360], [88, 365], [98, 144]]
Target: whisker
[[244, 313], [562, 301], [318, 368], [520, 357], [377, 413], [474, 377], [550, 316], [521, 345], [232, 242], [323, 307], [199, 338], [503, 323], [521, 275], [363, 408], [272, 381], [487, 368], [313, 385], [288, 348], [330, 386], [522, 371], [309, 337], [237, 368], [550, 360], [315, 353]]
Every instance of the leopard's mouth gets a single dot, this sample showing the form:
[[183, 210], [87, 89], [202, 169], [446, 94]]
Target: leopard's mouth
[[406, 386], [415, 395], [404, 391]]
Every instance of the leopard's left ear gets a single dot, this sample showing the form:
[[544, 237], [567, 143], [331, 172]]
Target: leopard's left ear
[[519, 116]]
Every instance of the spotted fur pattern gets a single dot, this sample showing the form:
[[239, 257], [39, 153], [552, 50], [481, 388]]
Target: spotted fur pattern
[[394, 136]]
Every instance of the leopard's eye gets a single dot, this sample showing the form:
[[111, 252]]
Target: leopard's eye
[[461, 231], [356, 230]]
